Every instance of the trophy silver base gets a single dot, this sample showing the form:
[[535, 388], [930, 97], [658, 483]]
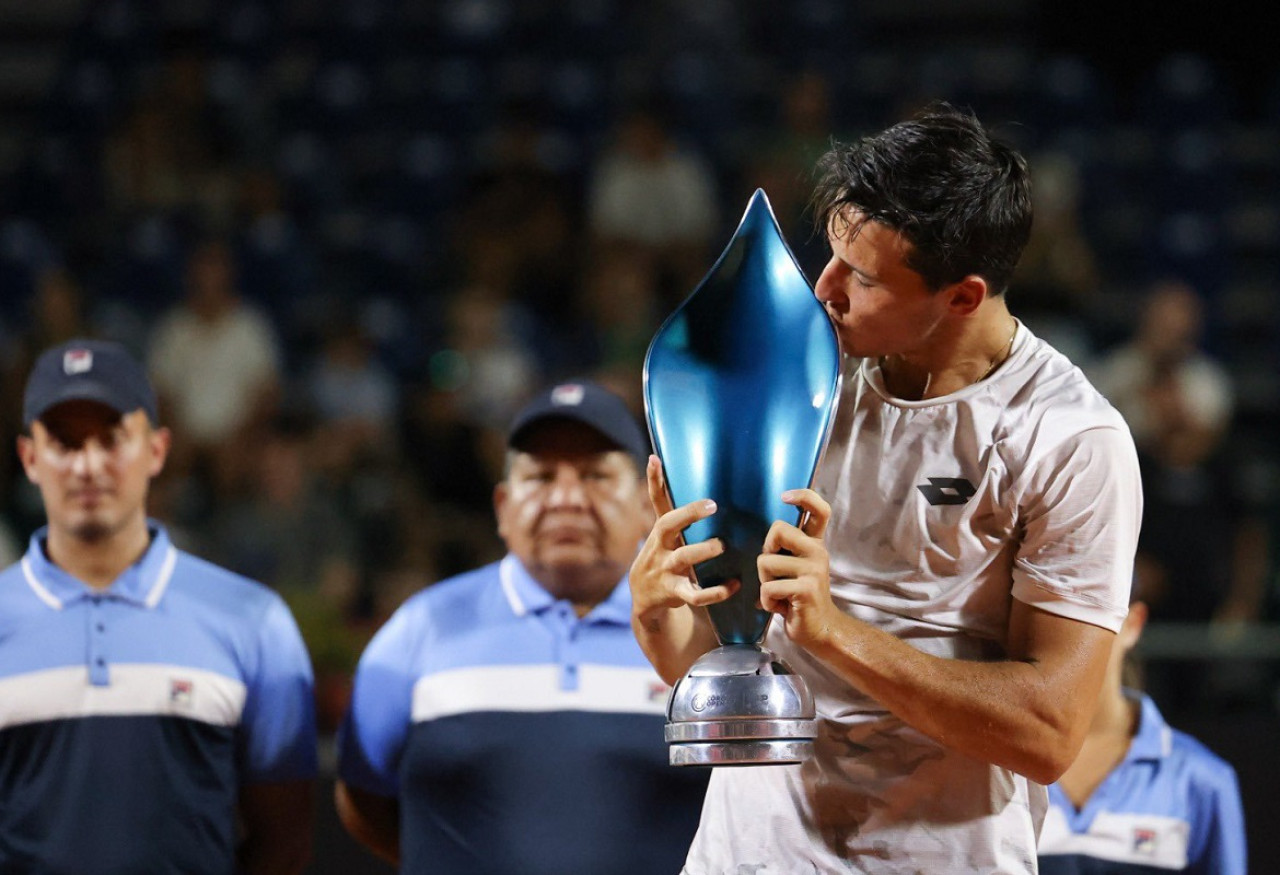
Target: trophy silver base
[[740, 705]]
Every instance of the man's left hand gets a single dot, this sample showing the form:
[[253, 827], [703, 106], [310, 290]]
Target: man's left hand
[[795, 574]]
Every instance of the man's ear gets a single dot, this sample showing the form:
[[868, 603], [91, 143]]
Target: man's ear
[[27, 456], [1134, 622], [501, 493], [159, 442], [966, 296]]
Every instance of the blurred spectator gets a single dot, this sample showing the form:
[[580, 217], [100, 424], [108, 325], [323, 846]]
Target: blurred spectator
[[782, 164], [457, 410], [519, 216], [355, 397], [1056, 282], [215, 361], [482, 359], [1175, 397], [621, 300], [276, 268], [648, 192], [285, 530], [457, 513], [57, 311], [292, 534], [1178, 402], [169, 152]]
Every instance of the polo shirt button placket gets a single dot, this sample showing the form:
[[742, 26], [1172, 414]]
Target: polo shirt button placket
[[99, 671], [569, 648]]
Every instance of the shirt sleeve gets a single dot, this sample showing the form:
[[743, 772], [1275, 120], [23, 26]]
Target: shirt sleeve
[[373, 733], [1081, 510], [279, 720], [1218, 840]]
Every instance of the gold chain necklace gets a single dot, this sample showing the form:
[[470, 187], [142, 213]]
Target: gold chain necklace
[[1000, 359], [1003, 356]]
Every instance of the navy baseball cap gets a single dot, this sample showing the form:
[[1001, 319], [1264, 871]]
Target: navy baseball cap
[[88, 370], [590, 404]]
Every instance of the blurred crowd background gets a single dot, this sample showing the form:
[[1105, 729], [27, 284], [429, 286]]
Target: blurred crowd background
[[349, 237]]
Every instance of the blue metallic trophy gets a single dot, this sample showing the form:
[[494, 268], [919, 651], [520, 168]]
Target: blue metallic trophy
[[739, 385]]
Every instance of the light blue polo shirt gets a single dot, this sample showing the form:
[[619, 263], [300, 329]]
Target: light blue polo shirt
[[130, 717], [517, 736], [1172, 805]]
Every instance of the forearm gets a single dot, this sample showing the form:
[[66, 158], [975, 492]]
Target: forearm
[[673, 638], [1010, 712], [372, 820]]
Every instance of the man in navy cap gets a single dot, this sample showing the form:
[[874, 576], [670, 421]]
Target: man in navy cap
[[156, 712], [505, 720]]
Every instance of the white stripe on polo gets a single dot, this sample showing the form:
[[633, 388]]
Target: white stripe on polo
[[39, 588], [162, 579], [1143, 839], [601, 689], [136, 689]]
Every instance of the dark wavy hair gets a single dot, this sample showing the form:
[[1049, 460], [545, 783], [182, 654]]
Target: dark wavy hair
[[961, 198]]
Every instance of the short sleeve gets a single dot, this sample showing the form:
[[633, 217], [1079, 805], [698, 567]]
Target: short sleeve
[[1080, 510], [279, 721], [1218, 837], [373, 733]]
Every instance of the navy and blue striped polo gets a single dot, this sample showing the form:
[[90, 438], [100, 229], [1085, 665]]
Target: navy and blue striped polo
[[518, 736], [1171, 805], [130, 717]]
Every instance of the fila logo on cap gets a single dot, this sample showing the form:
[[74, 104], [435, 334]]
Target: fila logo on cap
[[567, 395], [77, 361]]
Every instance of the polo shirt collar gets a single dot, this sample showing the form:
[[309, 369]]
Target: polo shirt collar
[[1154, 738], [526, 595], [142, 584]]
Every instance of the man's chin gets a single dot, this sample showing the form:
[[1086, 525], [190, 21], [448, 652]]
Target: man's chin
[[91, 531], [569, 558]]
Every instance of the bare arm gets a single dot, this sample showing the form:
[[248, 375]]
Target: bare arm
[[1244, 600], [1028, 713], [372, 820], [667, 605], [277, 820]]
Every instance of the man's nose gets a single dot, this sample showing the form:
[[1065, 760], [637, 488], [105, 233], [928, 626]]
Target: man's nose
[[827, 289], [89, 459], [567, 489]]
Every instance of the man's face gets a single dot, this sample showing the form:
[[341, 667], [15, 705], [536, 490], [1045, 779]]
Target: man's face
[[93, 467], [574, 510], [878, 304]]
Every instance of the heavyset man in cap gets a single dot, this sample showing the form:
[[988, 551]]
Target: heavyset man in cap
[[505, 720], [156, 711]]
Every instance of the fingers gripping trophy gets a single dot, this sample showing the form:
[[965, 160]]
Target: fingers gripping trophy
[[739, 385]]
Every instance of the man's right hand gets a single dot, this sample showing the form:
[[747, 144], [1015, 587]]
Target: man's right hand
[[663, 589], [662, 574]]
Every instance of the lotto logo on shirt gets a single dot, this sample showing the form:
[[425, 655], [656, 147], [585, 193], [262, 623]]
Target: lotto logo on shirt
[[180, 692], [1144, 842], [947, 490]]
